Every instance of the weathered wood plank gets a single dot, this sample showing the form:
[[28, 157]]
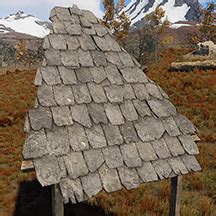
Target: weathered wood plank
[[57, 201], [175, 196], [207, 64], [27, 166]]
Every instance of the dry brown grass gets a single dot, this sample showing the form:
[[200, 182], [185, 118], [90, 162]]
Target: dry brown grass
[[193, 93]]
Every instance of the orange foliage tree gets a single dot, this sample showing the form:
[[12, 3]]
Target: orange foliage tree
[[116, 19]]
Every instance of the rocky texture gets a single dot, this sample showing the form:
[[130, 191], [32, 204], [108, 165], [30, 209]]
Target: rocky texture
[[100, 123]]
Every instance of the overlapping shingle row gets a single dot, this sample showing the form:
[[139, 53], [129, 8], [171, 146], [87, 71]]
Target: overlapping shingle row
[[99, 122]]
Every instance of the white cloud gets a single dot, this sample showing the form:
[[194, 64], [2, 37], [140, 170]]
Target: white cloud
[[93, 5]]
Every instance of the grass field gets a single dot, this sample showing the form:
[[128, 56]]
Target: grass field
[[193, 93]]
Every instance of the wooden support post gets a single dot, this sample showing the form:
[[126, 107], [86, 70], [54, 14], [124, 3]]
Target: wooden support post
[[175, 196], [57, 201]]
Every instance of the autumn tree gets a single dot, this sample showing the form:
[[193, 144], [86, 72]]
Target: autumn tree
[[116, 19], [156, 24], [208, 25]]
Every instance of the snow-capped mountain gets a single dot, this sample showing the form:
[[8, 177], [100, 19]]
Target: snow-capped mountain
[[24, 23], [176, 10]]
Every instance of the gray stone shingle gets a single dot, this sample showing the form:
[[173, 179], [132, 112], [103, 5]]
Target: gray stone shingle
[[171, 127], [88, 15], [52, 57], [46, 43], [153, 90], [130, 155], [144, 130], [129, 111], [161, 148], [47, 170], [188, 144], [109, 178], [84, 75], [133, 75], [129, 177], [101, 43], [114, 93], [73, 29], [111, 42], [126, 59], [75, 165], [57, 42], [91, 184], [174, 145], [98, 74], [89, 30], [50, 75], [128, 92], [162, 168], [97, 113], [27, 126], [75, 10], [62, 115], [97, 93], [96, 136], [128, 132], [63, 95], [157, 127], [70, 59], [85, 58], [77, 137], [191, 162], [163, 93], [142, 108], [35, 145], [158, 108], [113, 58], [184, 124], [113, 134], [81, 93], [114, 114], [72, 42], [177, 166], [147, 172], [38, 78], [98, 58], [67, 75], [86, 42], [100, 30], [58, 143], [94, 158], [113, 157], [80, 114], [58, 28], [70, 189], [146, 151], [45, 95], [141, 91], [113, 74], [63, 14], [40, 118], [170, 108]]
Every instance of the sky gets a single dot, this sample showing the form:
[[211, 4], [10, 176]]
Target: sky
[[41, 8]]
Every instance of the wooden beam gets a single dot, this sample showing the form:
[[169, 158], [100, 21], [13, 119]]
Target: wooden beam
[[27, 166], [175, 196], [57, 201]]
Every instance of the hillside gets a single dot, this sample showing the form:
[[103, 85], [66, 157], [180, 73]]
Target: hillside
[[194, 94], [175, 10], [24, 23]]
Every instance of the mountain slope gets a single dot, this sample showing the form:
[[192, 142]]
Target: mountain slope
[[176, 10], [24, 23]]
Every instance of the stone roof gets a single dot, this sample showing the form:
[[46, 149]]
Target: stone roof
[[99, 123]]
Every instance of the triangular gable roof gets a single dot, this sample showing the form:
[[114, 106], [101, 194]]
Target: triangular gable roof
[[99, 122]]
